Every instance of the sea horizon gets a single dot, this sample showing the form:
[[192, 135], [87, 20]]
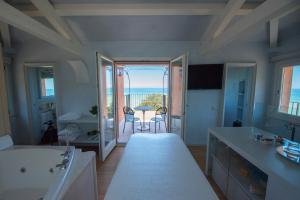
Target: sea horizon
[[145, 90]]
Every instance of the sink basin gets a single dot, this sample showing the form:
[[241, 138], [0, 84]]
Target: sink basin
[[290, 151]]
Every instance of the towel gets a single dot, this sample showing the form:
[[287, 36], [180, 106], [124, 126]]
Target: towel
[[71, 132], [5, 142], [69, 116]]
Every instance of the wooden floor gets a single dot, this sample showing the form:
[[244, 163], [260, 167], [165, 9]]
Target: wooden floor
[[105, 170]]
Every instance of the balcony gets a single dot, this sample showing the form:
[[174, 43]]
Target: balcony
[[155, 100]]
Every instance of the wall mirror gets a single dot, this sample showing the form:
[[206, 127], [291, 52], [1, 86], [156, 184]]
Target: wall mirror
[[41, 99], [239, 90]]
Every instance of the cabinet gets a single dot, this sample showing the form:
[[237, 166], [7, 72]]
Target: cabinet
[[235, 176]]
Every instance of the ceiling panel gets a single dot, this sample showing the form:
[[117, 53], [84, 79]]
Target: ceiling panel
[[142, 28], [130, 1], [289, 26]]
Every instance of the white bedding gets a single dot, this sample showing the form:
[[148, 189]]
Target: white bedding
[[158, 167]]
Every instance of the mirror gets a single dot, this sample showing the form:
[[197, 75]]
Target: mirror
[[40, 92], [239, 86]]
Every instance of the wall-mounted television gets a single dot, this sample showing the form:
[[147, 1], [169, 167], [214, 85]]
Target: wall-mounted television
[[205, 76]]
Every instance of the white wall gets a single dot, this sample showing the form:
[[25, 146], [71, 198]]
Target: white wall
[[72, 96], [287, 52], [79, 97], [234, 76]]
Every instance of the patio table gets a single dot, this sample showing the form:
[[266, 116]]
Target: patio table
[[144, 127]]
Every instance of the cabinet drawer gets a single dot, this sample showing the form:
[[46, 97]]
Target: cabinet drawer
[[219, 174], [235, 191]]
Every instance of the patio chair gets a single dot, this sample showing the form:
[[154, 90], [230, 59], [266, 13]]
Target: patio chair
[[160, 116], [129, 117]]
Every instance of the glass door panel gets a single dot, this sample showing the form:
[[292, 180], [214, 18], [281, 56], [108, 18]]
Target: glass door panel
[[177, 83], [107, 105]]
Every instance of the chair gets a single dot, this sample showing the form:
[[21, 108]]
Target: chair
[[160, 116], [129, 117]]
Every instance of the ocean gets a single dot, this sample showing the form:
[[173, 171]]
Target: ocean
[[145, 91], [49, 92]]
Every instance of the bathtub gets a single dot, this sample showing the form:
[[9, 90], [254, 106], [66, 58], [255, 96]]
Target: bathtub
[[30, 173]]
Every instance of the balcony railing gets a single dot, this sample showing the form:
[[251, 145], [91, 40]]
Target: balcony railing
[[137, 99], [294, 108]]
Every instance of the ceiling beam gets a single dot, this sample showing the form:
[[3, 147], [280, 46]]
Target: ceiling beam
[[220, 22], [232, 7], [45, 7], [138, 9], [5, 35], [16, 18], [289, 11], [273, 30], [268, 10], [274, 26]]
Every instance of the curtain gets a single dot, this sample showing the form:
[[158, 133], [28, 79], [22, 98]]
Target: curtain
[[4, 115]]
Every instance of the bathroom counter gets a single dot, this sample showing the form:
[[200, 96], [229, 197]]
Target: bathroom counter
[[82, 183], [283, 175]]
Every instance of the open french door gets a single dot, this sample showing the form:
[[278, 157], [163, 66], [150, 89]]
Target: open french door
[[177, 95], [106, 105]]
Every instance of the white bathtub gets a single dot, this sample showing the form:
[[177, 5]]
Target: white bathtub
[[31, 173]]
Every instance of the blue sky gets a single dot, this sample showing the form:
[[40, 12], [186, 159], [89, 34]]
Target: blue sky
[[145, 76], [296, 77], [49, 83]]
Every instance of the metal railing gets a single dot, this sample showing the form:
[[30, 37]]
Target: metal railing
[[136, 99], [294, 108]]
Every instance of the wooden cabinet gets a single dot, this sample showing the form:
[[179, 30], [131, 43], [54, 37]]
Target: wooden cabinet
[[83, 184]]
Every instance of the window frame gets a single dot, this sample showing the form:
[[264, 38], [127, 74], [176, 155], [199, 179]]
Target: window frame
[[277, 91]]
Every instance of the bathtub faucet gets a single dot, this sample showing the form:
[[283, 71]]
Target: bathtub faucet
[[63, 164], [66, 154]]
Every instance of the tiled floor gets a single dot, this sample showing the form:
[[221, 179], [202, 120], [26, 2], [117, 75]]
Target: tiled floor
[[105, 170]]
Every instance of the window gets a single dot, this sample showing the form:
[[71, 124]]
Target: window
[[290, 91], [46, 83]]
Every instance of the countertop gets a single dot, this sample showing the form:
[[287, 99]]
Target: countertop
[[263, 156]]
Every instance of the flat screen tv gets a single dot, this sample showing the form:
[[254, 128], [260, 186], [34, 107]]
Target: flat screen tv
[[205, 76]]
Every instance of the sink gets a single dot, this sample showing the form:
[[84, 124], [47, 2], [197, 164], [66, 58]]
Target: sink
[[290, 151]]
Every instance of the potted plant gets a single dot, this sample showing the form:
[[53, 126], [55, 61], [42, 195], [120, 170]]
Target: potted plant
[[94, 110]]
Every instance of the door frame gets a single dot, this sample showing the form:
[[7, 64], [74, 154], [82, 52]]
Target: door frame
[[184, 94], [103, 153], [251, 105], [27, 65]]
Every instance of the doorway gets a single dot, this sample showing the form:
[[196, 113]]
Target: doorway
[[128, 103], [239, 94], [41, 94], [142, 89]]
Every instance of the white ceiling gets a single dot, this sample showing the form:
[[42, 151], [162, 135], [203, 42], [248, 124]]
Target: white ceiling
[[156, 28], [129, 1], [142, 28]]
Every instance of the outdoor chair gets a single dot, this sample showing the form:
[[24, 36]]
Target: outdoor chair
[[129, 117], [160, 116]]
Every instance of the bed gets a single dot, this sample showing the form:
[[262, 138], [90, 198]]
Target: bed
[[158, 167]]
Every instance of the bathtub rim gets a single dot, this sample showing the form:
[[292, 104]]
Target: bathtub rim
[[55, 190]]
